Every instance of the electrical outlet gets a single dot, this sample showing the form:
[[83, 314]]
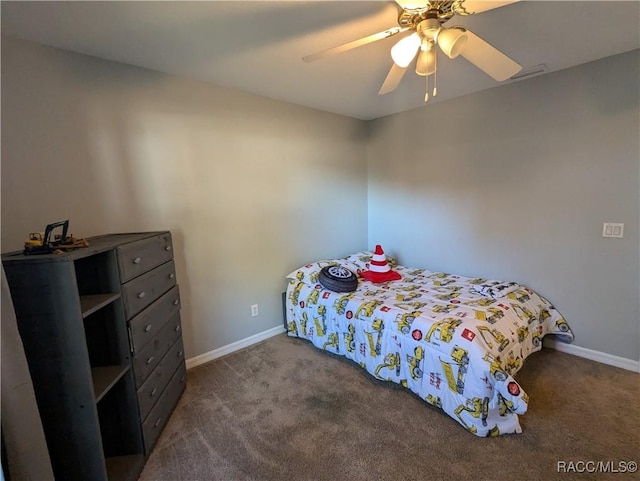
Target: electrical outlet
[[610, 229], [254, 310]]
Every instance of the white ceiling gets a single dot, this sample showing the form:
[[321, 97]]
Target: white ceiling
[[257, 46]]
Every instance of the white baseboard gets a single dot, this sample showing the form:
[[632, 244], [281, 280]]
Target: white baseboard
[[604, 358], [234, 346]]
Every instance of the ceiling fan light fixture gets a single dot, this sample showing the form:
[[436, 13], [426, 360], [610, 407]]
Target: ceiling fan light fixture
[[405, 50], [452, 41], [426, 64]]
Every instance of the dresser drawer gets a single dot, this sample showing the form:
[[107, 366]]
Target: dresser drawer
[[136, 258], [159, 415], [142, 291], [154, 386], [146, 325], [146, 360]]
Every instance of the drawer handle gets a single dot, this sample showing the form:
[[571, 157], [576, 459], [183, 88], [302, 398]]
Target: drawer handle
[[167, 248], [153, 393], [147, 328], [176, 302], [141, 295], [157, 423], [137, 260], [177, 328], [180, 354], [172, 275], [150, 360]]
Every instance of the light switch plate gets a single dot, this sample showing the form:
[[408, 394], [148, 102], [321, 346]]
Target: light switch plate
[[612, 229]]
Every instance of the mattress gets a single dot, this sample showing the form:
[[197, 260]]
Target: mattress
[[457, 342]]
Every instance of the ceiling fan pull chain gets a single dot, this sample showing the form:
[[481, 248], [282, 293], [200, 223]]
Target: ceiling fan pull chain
[[435, 74], [426, 95]]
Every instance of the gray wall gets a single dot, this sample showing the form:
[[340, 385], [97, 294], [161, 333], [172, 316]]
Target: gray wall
[[515, 183], [511, 183], [240, 180]]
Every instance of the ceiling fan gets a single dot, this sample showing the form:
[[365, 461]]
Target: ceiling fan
[[421, 28]]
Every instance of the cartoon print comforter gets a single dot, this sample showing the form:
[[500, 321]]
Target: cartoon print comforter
[[455, 341]]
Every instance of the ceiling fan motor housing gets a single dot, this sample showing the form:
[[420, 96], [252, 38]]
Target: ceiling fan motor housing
[[428, 28], [441, 11]]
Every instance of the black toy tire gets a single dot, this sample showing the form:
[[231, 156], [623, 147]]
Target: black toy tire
[[338, 279]]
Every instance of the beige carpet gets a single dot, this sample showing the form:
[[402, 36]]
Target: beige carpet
[[283, 410]]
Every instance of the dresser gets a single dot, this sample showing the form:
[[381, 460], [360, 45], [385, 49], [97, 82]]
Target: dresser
[[102, 336], [151, 300]]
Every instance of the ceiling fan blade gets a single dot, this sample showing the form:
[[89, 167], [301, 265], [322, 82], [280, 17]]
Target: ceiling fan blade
[[469, 7], [355, 43], [393, 79], [489, 59], [406, 4]]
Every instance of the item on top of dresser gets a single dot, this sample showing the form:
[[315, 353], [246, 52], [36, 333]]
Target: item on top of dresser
[[47, 242]]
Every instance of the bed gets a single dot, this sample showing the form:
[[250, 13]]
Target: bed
[[454, 341]]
